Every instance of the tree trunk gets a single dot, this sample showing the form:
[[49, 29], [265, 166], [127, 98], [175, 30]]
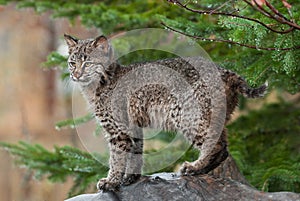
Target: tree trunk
[[224, 183]]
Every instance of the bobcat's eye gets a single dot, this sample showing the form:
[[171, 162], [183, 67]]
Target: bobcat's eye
[[87, 64]]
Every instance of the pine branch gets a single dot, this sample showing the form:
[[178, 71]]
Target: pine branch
[[59, 164], [276, 165], [279, 17], [231, 42], [213, 12], [72, 123]]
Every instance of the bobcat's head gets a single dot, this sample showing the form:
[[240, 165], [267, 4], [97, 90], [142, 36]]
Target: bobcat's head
[[89, 59]]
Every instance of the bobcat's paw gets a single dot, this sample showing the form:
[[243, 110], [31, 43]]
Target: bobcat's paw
[[188, 168], [130, 178], [108, 185]]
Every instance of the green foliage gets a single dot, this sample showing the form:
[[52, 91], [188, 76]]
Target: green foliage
[[263, 56], [67, 161], [110, 16], [58, 164], [162, 160], [71, 123], [173, 146], [55, 59], [266, 144]]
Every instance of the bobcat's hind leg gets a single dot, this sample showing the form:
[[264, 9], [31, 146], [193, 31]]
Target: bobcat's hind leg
[[207, 160]]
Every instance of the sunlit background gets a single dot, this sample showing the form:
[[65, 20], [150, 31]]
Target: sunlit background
[[33, 98]]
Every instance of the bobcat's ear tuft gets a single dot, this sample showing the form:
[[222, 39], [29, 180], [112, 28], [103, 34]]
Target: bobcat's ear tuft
[[101, 42], [71, 41]]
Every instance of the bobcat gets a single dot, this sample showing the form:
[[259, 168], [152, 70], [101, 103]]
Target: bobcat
[[92, 66]]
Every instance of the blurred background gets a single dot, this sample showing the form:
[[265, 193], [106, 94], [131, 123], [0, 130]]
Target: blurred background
[[33, 98]]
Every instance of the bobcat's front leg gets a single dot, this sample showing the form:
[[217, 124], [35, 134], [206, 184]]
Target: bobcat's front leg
[[134, 163], [120, 146]]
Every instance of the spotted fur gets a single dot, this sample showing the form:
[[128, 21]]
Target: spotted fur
[[152, 105]]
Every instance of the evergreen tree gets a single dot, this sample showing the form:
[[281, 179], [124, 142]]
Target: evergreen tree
[[259, 39]]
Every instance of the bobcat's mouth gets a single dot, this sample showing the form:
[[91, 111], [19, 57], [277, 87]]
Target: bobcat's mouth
[[78, 79]]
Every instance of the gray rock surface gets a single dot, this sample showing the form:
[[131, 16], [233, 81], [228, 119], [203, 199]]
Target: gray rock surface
[[169, 186]]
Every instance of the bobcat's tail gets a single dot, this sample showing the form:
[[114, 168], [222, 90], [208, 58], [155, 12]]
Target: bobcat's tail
[[238, 84], [249, 92]]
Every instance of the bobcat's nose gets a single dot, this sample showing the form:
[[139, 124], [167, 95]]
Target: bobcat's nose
[[76, 75]]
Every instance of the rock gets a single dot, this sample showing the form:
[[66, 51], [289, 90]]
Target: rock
[[170, 186]]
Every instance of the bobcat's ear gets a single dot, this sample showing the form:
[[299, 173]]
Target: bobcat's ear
[[101, 42], [71, 41]]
